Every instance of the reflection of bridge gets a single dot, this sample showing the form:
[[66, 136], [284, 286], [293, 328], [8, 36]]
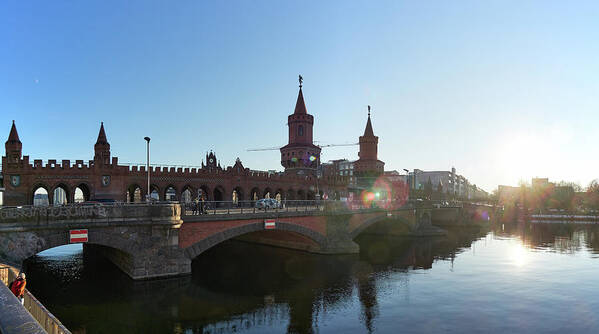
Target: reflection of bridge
[[154, 240]]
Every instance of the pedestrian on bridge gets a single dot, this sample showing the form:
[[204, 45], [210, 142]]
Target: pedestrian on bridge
[[202, 206], [18, 287], [195, 206]]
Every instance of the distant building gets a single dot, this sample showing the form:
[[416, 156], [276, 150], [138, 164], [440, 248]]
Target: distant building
[[339, 167], [447, 182]]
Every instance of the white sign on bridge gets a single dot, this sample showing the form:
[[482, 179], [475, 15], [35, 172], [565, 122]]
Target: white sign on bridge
[[77, 236], [269, 224]]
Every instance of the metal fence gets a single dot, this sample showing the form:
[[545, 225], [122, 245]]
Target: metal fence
[[46, 319], [272, 205]]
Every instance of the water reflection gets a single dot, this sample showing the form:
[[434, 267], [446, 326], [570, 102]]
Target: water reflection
[[557, 237], [393, 283]]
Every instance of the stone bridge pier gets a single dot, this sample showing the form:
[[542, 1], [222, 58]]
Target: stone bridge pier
[[142, 240]]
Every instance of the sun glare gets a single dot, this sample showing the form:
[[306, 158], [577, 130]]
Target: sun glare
[[518, 255]]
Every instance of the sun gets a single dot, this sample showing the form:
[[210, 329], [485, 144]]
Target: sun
[[521, 155]]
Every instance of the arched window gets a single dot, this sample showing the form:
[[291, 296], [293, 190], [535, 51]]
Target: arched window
[[300, 130]]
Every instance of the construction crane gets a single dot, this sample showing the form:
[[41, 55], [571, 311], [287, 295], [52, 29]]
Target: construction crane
[[279, 147]]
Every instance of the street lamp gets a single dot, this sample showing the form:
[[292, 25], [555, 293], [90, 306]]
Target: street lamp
[[147, 139], [407, 175]]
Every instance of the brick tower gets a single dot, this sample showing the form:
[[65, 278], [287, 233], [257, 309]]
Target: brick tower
[[13, 146], [102, 148], [367, 168], [300, 156]]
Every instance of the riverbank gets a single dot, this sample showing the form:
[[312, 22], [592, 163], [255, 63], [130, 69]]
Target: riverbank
[[32, 317]]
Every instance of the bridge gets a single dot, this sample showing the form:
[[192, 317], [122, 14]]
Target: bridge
[[159, 239]]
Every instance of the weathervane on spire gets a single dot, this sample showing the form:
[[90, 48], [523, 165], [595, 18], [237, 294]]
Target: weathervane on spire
[[301, 80], [369, 110]]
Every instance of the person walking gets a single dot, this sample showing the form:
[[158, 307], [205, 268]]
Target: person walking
[[196, 206], [18, 287]]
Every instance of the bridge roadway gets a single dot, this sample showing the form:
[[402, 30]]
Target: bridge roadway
[[156, 240]]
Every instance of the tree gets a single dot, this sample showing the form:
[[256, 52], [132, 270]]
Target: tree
[[592, 195]]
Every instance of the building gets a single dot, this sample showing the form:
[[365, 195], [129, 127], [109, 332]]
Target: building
[[104, 178], [447, 182]]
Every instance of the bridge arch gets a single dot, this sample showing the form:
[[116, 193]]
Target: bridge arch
[[60, 194], [135, 193], [395, 219], [237, 194], [170, 193], [43, 241], [219, 195], [210, 241], [290, 194], [41, 190], [81, 193], [187, 194], [279, 194], [301, 194], [155, 192], [254, 194], [205, 192]]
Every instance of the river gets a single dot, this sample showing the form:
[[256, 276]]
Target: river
[[518, 278]]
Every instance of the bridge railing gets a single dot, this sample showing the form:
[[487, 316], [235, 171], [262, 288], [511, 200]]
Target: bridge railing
[[271, 205], [88, 211]]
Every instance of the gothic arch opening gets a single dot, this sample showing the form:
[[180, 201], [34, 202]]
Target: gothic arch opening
[[290, 195], [134, 194], [60, 195], [81, 193], [237, 195], [170, 194], [155, 193], [40, 196], [301, 194], [219, 196], [279, 195], [187, 195], [255, 194], [204, 192]]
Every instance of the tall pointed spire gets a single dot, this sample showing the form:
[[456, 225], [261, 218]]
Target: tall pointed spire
[[368, 131], [13, 145], [102, 147], [13, 137], [102, 135], [300, 106]]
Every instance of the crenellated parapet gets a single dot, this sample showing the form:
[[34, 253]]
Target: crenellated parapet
[[103, 178]]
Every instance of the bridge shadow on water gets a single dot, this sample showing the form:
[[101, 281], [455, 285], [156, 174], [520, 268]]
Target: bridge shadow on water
[[235, 286]]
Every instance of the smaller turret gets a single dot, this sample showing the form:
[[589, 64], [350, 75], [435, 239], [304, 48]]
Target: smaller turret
[[13, 145], [102, 148]]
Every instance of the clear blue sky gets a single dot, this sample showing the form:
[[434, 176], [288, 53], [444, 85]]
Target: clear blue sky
[[502, 90]]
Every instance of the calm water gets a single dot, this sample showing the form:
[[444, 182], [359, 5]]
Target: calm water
[[527, 278]]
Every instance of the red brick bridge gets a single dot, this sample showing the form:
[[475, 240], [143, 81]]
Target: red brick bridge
[[148, 241]]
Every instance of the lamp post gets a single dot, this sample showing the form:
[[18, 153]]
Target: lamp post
[[147, 139], [407, 184]]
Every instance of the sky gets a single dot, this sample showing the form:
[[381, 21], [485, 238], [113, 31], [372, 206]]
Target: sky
[[501, 90]]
